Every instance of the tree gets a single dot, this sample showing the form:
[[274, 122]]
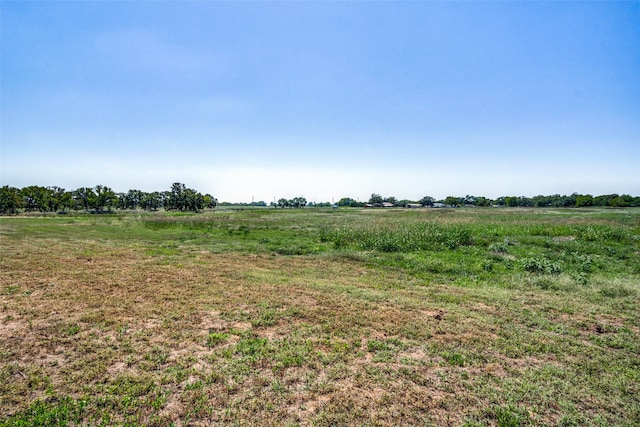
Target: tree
[[103, 197], [482, 201], [469, 200], [584, 200], [375, 198], [511, 201], [346, 201], [151, 201], [211, 202], [540, 201], [452, 201], [569, 201], [10, 200], [622, 201], [82, 197], [427, 201], [130, 200], [181, 198], [61, 200], [36, 198], [193, 201], [298, 202], [175, 198]]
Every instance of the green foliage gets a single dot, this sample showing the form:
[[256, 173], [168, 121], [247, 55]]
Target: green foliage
[[540, 265], [375, 199], [72, 330], [296, 202], [181, 198], [385, 350], [102, 197], [400, 238], [10, 200], [454, 359], [51, 412], [453, 201], [427, 201], [216, 338], [511, 416], [499, 247]]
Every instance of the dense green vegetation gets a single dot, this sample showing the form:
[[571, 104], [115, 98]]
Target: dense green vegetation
[[36, 198], [476, 317]]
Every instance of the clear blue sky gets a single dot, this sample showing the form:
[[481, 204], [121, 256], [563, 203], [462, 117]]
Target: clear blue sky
[[322, 99]]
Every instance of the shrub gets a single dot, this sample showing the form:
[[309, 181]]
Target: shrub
[[540, 265], [499, 247]]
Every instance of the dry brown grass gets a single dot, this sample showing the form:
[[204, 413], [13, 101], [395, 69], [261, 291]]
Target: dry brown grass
[[77, 323]]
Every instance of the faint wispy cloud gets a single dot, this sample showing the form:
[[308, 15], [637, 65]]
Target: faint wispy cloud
[[135, 50]]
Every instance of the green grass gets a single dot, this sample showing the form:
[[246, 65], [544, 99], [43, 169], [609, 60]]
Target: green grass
[[507, 317]]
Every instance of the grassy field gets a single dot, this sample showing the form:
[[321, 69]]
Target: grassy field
[[474, 317]]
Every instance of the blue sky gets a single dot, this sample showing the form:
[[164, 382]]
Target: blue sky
[[322, 99]]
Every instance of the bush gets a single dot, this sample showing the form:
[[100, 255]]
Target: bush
[[499, 247], [540, 265]]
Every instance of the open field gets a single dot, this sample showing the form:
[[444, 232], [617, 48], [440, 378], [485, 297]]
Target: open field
[[471, 317]]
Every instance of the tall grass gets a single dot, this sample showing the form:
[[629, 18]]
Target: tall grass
[[403, 237]]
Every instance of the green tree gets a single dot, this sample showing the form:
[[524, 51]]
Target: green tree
[[194, 201], [346, 201], [151, 201], [427, 201], [181, 198], [298, 202], [36, 198], [511, 201], [176, 197], [211, 202], [540, 201], [622, 201], [584, 200], [60, 199], [83, 197], [103, 197], [10, 200], [129, 200], [375, 198], [482, 201], [452, 201]]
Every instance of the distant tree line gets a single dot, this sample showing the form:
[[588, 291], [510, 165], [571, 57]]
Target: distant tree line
[[296, 202], [100, 199], [574, 200]]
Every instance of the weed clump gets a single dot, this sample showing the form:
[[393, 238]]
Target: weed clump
[[216, 338], [499, 247], [540, 265]]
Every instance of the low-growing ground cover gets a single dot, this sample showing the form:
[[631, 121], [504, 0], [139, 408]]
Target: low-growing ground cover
[[322, 317]]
